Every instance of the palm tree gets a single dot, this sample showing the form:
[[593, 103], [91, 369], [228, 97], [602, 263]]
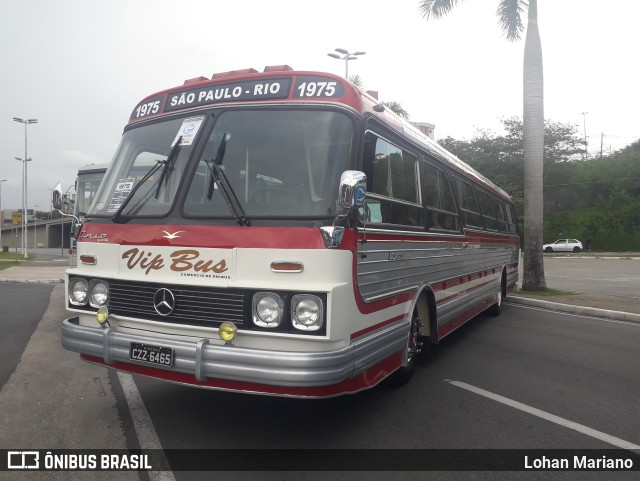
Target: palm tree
[[510, 19]]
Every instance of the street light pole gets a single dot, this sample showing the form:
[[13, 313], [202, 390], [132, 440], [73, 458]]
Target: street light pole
[[35, 226], [23, 208], [346, 56], [24, 181], [1, 216]]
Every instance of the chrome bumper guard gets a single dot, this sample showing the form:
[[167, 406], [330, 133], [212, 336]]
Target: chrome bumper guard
[[280, 368]]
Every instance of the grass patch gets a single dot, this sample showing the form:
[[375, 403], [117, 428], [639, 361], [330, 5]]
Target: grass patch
[[9, 259], [544, 293], [14, 256]]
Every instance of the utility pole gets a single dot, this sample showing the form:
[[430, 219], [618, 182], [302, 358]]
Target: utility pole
[[601, 143], [584, 123]]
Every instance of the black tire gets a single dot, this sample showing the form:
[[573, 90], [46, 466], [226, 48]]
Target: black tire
[[548, 249], [496, 309], [576, 249], [414, 349]]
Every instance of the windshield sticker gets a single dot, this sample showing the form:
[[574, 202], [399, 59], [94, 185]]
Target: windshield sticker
[[122, 192], [188, 130]]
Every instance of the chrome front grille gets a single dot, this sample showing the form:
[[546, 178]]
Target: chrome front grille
[[202, 306]]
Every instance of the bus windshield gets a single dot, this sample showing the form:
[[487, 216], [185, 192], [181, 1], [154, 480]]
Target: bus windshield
[[276, 163], [87, 185]]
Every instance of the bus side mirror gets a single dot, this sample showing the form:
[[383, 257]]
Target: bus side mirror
[[56, 196], [353, 189]]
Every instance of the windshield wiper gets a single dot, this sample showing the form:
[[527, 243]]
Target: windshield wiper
[[218, 176], [168, 165], [118, 218]]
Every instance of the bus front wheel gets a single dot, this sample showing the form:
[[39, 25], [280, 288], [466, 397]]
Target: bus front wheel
[[414, 350]]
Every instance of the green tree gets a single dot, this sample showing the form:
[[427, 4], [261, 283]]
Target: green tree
[[510, 19], [395, 107], [500, 157]]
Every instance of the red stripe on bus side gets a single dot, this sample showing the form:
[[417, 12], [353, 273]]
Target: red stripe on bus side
[[447, 284], [454, 324], [369, 329]]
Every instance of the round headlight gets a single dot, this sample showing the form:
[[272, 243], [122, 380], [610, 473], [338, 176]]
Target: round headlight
[[78, 291], [267, 309], [307, 312], [99, 293]]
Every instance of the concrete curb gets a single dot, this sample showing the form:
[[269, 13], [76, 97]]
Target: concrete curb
[[33, 281], [581, 310]]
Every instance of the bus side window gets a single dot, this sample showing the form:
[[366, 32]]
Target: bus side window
[[467, 202], [498, 208], [392, 190], [486, 209], [439, 199], [511, 217]]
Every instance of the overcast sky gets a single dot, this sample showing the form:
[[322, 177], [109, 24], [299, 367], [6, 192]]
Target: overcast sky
[[80, 66]]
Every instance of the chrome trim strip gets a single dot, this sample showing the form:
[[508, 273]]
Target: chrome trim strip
[[389, 294]]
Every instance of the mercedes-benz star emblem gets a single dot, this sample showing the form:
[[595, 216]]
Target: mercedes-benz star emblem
[[164, 302]]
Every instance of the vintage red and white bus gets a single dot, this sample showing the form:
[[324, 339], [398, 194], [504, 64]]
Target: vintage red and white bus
[[282, 232]]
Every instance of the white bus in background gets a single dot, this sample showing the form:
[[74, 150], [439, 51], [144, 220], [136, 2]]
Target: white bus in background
[[87, 182]]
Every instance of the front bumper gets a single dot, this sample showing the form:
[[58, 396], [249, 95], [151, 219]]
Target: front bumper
[[203, 361]]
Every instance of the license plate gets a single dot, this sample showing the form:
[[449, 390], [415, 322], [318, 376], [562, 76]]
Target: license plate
[[162, 356]]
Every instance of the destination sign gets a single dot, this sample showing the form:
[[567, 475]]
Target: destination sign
[[263, 89], [266, 88]]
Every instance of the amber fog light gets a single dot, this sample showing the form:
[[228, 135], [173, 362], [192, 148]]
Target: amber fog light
[[228, 331], [102, 316]]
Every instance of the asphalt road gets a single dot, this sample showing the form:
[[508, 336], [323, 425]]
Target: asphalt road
[[528, 379]]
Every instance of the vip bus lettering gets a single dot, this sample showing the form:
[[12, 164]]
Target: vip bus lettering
[[182, 260], [142, 259]]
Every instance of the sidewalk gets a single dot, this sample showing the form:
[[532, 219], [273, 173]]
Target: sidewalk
[[585, 304], [50, 265], [47, 267]]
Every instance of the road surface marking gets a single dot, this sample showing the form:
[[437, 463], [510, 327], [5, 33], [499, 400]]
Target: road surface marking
[[607, 438], [147, 436]]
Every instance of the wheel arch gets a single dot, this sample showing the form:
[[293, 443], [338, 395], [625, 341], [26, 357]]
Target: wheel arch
[[425, 303]]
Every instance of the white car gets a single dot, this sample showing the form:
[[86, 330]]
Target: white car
[[563, 245]]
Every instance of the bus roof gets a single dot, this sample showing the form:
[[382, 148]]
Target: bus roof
[[280, 83], [93, 168]]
